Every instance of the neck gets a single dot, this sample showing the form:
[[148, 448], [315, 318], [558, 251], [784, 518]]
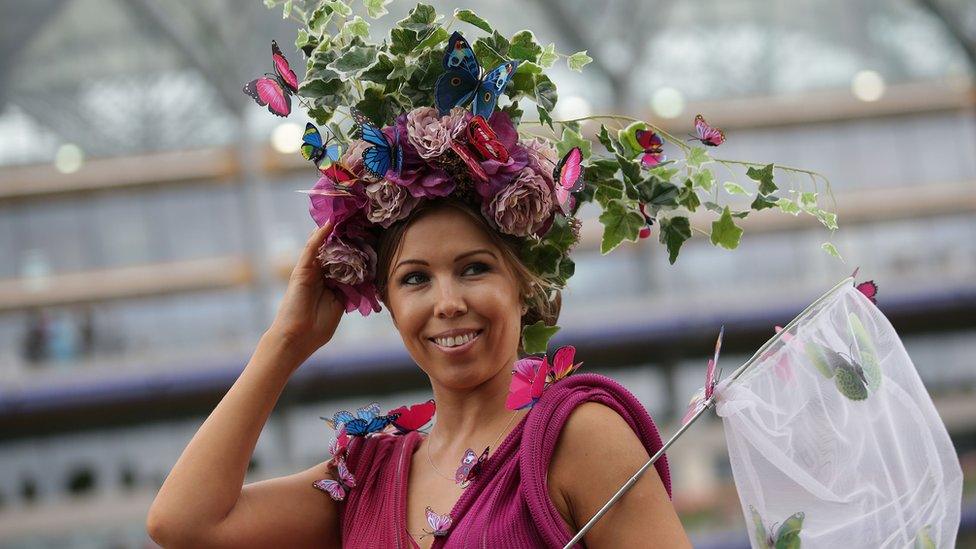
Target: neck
[[473, 418]]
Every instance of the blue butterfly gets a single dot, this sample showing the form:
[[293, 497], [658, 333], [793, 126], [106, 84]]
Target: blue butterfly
[[315, 150], [383, 155], [463, 82], [367, 420]]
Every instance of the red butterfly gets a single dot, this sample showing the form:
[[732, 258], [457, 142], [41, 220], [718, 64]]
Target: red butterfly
[[414, 417], [470, 161], [275, 90], [485, 141], [708, 135], [528, 382], [568, 177], [470, 467], [652, 145], [869, 288]]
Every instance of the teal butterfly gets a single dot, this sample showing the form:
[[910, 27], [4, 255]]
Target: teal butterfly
[[787, 535], [462, 81], [316, 150]]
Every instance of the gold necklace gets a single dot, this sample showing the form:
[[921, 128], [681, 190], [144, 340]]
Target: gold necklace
[[434, 467]]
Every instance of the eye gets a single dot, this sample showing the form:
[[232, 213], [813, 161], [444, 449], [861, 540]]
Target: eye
[[479, 266], [406, 280]]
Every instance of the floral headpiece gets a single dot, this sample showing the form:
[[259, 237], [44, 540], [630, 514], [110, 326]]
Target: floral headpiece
[[431, 115]]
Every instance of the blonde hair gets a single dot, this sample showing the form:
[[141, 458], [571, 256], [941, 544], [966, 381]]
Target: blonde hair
[[541, 297]]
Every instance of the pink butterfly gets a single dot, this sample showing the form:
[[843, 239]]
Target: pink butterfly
[[652, 145], [528, 382], [869, 288], [275, 90], [471, 465], [337, 488], [414, 417], [562, 364], [568, 177], [338, 445], [439, 524], [708, 135], [711, 380]]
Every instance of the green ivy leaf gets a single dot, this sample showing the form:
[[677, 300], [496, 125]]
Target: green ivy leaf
[[697, 157], [319, 18], [340, 8], [687, 196], [313, 88], [605, 139], [762, 202], [732, 187], [703, 179], [572, 139], [630, 169], [524, 47], [380, 71], [621, 221], [491, 50], [403, 69], [578, 60], [472, 18], [808, 202], [544, 117], [354, 60], [788, 206], [376, 8], [286, 10], [830, 249], [828, 219], [548, 56], [433, 39], [545, 92], [378, 106], [663, 194], [601, 168], [664, 171], [628, 139], [674, 232], [357, 26], [420, 18], [535, 337], [724, 231], [560, 234], [765, 178], [607, 190]]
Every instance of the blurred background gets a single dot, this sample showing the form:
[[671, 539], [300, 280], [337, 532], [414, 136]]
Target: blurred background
[[149, 221]]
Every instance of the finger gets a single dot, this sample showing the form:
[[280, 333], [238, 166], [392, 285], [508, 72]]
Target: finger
[[314, 242]]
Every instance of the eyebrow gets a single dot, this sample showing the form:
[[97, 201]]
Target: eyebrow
[[456, 259]]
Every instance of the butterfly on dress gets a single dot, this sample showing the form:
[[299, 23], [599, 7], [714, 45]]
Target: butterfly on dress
[[275, 90], [316, 150], [787, 535], [645, 231], [562, 364], [653, 147], [471, 466], [868, 288], [463, 82], [366, 421], [384, 154], [568, 176], [412, 418], [440, 525], [711, 380], [528, 381], [340, 487], [339, 445], [708, 135]]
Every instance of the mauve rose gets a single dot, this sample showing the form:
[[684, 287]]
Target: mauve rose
[[352, 158], [542, 157], [431, 134], [522, 208], [388, 203], [418, 177], [346, 262]]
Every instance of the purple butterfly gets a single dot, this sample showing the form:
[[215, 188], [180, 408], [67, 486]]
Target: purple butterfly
[[708, 135], [337, 488], [470, 467], [275, 90], [439, 524], [652, 145]]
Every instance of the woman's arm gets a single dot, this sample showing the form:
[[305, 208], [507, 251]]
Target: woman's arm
[[202, 502], [597, 440]]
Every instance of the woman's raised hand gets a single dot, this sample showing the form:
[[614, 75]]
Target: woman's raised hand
[[309, 313]]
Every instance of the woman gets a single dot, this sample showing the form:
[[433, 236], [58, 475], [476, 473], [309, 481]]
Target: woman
[[550, 467]]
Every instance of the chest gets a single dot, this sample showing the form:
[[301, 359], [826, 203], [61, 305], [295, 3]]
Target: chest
[[425, 488]]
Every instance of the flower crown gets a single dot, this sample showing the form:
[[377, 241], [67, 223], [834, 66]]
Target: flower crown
[[434, 116]]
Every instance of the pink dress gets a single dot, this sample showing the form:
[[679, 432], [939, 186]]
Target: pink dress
[[508, 504]]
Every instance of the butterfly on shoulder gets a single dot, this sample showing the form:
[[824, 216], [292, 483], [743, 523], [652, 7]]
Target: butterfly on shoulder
[[528, 382], [274, 90], [470, 468], [562, 364], [706, 134], [787, 536], [440, 525], [462, 81], [412, 418], [366, 421], [337, 488], [385, 154], [568, 177]]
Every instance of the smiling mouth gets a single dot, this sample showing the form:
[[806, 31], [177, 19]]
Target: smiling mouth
[[461, 344]]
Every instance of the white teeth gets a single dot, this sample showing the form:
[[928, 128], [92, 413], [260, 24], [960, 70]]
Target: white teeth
[[455, 341]]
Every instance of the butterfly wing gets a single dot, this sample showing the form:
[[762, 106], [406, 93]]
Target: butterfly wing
[[282, 68], [707, 134], [492, 85], [528, 380], [312, 143], [439, 524], [710, 370], [869, 289], [568, 176], [562, 363], [377, 160], [345, 476], [369, 411], [467, 462], [761, 536], [339, 419], [788, 534], [458, 56], [414, 417], [474, 168], [652, 145], [270, 92], [331, 487], [454, 88]]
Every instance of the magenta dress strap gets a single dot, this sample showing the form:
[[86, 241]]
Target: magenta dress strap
[[542, 430]]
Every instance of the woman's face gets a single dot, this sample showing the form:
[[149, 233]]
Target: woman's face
[[449, 279]]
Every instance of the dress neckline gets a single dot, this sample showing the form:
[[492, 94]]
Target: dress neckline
[[411, 441]]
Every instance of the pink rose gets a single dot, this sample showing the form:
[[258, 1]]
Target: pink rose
[[388, 202], [522, 208], [352, 158], [347, 263], [542, 157], [431, 134]]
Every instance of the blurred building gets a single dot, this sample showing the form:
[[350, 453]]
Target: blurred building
[[148, 226]]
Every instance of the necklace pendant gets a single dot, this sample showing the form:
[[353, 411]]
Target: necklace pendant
[[471, 465]]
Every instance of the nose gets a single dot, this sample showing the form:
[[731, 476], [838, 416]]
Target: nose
[[450, 301]]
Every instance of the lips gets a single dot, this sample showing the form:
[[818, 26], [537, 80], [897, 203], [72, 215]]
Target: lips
[[460, 348]]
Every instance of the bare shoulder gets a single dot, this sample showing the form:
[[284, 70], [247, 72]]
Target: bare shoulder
[[598, 441]]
